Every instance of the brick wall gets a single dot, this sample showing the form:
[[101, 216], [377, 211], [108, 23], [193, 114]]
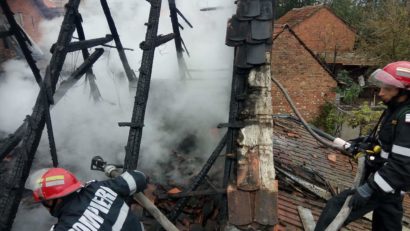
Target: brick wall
[[27, 12], [323, 31], [306, 81], [5, 53]]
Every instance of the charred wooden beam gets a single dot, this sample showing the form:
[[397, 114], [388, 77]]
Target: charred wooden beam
[[127, 49], [178, 39], [161, 39], [95, 92], [128, 71], [4, 34], [141, 96], [175, 27], [76, 75], [318, 191], [87, 64], [183, 17], [177, 209], [21, 38], [9, 143], [13, 184], [85, 44]]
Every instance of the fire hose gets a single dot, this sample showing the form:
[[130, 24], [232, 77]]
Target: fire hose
[[337, 144], [98, 163]]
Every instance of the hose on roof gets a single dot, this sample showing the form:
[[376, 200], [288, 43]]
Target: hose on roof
[[308, 128], [344, 212]]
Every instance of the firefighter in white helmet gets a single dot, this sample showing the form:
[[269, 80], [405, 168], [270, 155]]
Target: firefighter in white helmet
[[390, 176]]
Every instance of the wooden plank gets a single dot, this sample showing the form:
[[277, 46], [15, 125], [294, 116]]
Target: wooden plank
[[307, 218]]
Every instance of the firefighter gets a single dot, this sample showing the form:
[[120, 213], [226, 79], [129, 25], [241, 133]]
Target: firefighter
[[96, 205], [388, 172]]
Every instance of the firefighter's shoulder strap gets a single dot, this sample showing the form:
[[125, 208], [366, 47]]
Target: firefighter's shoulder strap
[[403, 111], [399, 116]]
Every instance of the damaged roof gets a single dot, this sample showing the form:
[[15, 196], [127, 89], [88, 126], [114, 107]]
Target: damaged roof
[[300, 154]]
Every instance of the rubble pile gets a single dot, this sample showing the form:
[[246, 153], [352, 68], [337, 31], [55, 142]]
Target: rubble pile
[[202, 210]]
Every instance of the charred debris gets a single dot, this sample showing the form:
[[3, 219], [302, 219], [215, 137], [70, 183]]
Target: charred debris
[[247, 197]]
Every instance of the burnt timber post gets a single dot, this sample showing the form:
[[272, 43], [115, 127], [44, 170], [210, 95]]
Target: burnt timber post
[[95, 92], [23, 42], [128, 71], [13, 184], [250, 177], [141, 97], [183, 70]]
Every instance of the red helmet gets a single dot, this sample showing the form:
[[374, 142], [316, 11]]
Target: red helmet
[[395, 74], [55, 183]]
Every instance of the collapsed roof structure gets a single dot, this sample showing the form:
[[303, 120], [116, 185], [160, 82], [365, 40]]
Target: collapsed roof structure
[[272, 165]]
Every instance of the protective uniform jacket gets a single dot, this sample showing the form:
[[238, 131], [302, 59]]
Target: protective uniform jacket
[[394, 137], [100, 205]]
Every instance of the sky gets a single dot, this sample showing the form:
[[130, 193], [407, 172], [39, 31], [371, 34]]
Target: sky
[[178, 112]]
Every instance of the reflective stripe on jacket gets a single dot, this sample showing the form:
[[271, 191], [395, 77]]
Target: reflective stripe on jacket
[[101, 206]]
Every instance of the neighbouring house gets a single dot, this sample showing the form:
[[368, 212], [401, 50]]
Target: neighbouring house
[[328, 36], [299, 156], [28, 14], [320, 29], [308, 81]]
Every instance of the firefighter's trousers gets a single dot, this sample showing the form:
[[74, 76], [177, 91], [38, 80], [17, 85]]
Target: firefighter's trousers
[[387, 211]]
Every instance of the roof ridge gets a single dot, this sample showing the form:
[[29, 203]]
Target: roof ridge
[[310, 6]]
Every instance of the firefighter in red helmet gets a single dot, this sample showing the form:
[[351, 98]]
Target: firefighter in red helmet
[[388, 173], [96, 205]]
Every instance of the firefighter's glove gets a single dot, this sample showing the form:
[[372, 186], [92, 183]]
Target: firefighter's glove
[[361, 196], [359, 145], [354, 145]]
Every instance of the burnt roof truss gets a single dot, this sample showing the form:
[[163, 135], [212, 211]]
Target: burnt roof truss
[[29, 133]]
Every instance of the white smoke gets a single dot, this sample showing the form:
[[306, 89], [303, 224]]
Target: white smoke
[[176, 109]]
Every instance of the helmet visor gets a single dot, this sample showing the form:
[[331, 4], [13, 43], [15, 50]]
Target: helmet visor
[[380, 78], [34, 183]]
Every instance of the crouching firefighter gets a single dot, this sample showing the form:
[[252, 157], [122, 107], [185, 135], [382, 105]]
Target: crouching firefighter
[[97, 205], [387, 174]]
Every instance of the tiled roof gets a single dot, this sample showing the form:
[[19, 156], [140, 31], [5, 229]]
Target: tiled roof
[[250, 31], [297, 15], [279, 28], [294, 146]]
